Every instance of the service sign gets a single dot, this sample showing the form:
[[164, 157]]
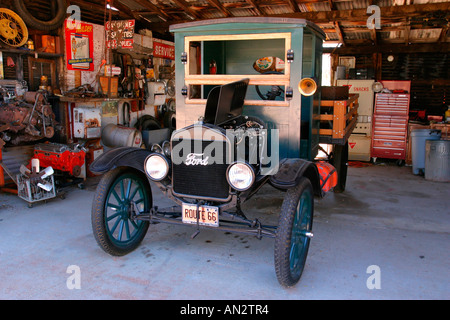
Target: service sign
[[162, 50], [79, 45], [119, 34]]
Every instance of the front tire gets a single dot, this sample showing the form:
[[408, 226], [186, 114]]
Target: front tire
[[294, 233], [114, 228]]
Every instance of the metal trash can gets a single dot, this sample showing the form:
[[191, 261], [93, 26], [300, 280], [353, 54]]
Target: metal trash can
[[418, 139], [437, 160]]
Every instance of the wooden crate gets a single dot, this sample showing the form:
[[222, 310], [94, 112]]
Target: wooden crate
[[338, 119]]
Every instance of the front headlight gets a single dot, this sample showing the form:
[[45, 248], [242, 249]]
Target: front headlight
[[156, 167], [240, 176]]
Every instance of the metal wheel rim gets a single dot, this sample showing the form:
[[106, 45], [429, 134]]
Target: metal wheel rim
[[124, 191], [13, 30], [299, 241]]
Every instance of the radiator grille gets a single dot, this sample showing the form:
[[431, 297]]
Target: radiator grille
[[196, 178]]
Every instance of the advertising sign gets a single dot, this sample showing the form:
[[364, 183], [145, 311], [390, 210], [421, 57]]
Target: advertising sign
[[119, 34], [79, 46]]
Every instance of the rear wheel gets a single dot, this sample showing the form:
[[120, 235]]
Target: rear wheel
[[294, 233], [118, 193]]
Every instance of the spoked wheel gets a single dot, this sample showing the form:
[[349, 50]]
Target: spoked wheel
[[13, 30], [294, 233], [118, 193]]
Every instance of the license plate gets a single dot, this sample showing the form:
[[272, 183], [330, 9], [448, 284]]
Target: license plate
[[208, 216]]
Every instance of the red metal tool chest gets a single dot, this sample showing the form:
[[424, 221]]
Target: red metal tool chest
[[390, 123]]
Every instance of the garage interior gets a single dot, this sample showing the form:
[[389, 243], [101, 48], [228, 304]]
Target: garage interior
[[68, 96]]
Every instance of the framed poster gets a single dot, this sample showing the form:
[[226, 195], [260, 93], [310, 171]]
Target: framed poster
[[79, 46]]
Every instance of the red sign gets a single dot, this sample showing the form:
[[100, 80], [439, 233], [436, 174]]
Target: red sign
[[162, 50], [79, 46], [119, 34]]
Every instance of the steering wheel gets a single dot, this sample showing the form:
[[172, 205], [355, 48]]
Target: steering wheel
[[274, 92]]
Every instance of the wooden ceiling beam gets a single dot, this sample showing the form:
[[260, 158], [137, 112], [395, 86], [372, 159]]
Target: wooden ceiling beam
[[149, 5], [293, 5], [390, 48], [255, 7], [185, 6], [391, 12], [339, 33], [220, 7]]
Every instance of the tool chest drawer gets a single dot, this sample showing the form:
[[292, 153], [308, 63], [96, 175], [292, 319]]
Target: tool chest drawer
[[390, 123], [392, 104]]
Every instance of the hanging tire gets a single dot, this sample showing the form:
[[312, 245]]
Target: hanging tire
[[34, 23], [114, 229], [147, 122], [339, 160], [170, 120], [294, 233]]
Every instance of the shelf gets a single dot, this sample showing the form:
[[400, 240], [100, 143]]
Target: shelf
[[32, 53]]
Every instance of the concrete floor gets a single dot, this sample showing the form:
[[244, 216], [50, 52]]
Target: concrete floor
[[387, 218]]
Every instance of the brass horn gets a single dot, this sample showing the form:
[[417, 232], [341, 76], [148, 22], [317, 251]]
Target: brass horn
[[307, 86]]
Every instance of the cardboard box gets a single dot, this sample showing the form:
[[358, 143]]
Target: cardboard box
[[48, 43], [359, 147]]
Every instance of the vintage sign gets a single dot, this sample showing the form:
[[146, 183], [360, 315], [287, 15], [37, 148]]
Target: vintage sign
[[162, 50], [119, 34], [79, 46]]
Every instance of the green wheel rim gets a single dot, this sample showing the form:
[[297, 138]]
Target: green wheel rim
[[299, 240], [126, 191]]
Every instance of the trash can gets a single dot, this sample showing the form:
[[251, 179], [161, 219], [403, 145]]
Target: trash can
[[437, 160], [418, 139]]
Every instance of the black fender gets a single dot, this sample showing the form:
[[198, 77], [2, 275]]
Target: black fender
[[120, 157], [290, 172]]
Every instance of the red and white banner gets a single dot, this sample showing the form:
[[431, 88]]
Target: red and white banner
[[162, 50]]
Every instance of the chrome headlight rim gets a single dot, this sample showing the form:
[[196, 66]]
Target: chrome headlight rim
[[164, 163], [251, 171]]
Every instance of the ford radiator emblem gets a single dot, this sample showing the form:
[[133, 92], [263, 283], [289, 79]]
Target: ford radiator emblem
[[194, 159]]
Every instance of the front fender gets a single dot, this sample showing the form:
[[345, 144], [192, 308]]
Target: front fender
[[120, 157], [292, 170]]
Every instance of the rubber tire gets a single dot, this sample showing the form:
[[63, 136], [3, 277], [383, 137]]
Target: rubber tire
[[98, 213], [284, 234], [340, 161], [147, 122], [170, 120], [33, 23]]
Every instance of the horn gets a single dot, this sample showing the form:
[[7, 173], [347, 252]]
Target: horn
[[307, 86]]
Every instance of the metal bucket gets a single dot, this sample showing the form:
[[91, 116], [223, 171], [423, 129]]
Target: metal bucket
[[437, 160], [120, 136]]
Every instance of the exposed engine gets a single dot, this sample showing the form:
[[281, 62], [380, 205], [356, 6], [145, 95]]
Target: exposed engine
[[25, 120]]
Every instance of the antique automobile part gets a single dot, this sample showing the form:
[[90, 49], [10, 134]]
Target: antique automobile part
[[294, 233], [275, 91], [34, 184], [53, 23], [66, 158], [156, 167], [307, 86], [13, 30], [27, 120], [121, 196], [240, 176]]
